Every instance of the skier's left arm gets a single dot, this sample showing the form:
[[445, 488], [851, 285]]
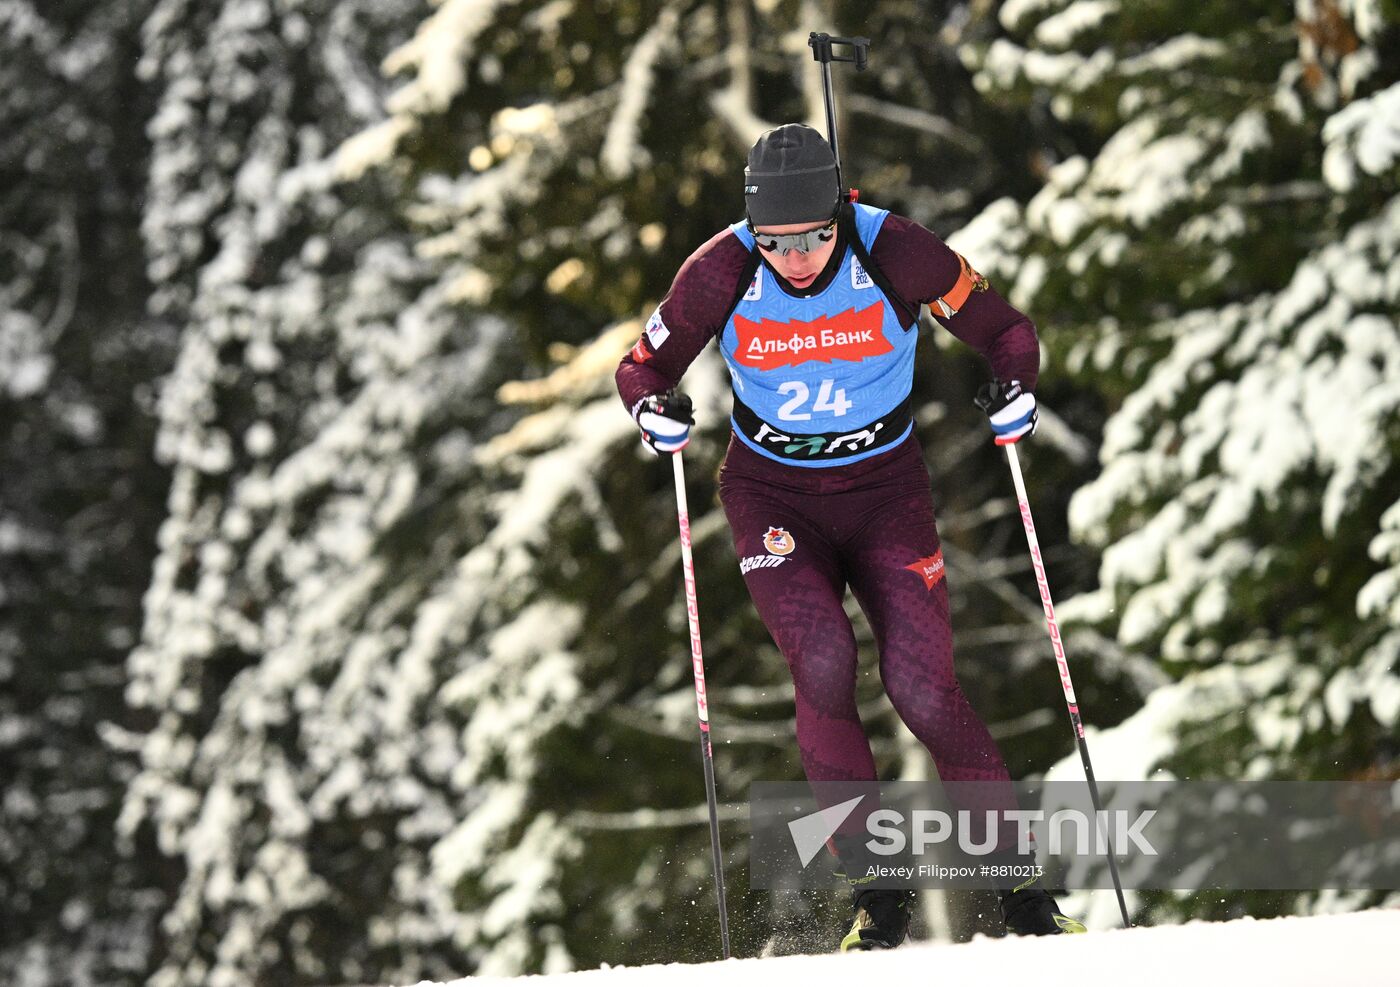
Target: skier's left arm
[[926, 271]]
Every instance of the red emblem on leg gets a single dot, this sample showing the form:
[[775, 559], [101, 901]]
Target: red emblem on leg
[[930, 569], [778, 541]]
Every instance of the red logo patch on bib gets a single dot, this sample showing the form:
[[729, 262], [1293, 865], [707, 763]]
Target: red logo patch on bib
[[852, 336]]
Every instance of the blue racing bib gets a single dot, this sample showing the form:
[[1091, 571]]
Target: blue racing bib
[[825, 380]]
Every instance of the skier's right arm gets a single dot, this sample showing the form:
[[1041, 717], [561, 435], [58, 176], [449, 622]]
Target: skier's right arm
[[693, 311], [647, 378]]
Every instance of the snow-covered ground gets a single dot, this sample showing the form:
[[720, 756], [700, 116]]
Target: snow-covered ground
[[1330, 950]]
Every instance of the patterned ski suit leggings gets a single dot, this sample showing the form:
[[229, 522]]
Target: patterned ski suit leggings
[[803, 536]]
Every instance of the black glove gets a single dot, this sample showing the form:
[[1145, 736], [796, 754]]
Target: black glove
[[1010, 409]]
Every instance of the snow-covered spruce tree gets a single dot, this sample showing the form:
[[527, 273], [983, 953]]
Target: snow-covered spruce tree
[[80, 494], [1219, 256], [566, 161], [296, 767]]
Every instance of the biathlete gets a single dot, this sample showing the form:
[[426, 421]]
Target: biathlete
[[814, 302]]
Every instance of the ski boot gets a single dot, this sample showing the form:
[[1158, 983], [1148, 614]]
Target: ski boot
[[882, 918], [1030, 910], [882, 912]]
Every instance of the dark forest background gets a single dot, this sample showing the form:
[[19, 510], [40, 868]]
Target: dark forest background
[[341, 636]]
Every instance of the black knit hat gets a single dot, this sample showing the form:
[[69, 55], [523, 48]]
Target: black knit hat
[[791, 178]]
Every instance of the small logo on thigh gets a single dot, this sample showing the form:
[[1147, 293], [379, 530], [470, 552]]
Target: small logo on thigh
[[753, 562], [778, 541], [930, 569]]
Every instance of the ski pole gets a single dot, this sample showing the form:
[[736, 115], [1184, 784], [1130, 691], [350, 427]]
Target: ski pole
[[697, 662], [1065, 682], [821, 45]]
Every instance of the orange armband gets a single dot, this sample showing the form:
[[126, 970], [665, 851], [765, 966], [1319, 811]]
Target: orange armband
[[968, 281]]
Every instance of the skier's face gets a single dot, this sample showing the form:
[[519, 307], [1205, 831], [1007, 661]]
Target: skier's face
[[799, 269]]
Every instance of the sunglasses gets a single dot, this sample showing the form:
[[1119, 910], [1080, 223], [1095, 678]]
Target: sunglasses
[[786, 243]]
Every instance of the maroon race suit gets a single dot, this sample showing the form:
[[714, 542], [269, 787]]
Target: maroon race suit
[[804, 535]]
